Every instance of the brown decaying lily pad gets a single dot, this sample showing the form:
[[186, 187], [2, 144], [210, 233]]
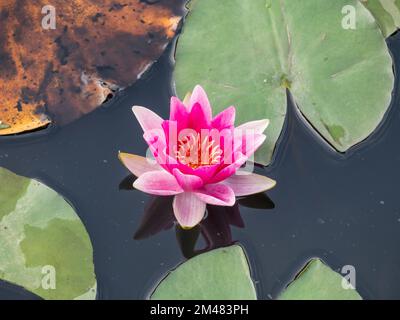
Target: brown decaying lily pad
[[98, 47]]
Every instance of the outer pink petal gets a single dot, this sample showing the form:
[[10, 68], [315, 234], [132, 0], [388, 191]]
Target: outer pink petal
[[147, 118], [159, 183], [200, 96], [225, 119], [188, 182], [244, 185], [156, 141], [258, 126], [137, 164], [189, 210], [217, 194], [258, 141], [226, 172], [248, 145]]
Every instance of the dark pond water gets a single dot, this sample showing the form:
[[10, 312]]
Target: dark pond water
[[342, 208]]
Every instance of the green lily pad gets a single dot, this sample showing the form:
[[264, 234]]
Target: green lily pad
[[218, 274], [44, 246], [247, 53], [316, 281], [386, 12]]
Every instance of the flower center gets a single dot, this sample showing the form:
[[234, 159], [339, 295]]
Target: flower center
[[195, 151]]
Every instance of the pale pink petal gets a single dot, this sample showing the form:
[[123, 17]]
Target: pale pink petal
[[226, 172], [189, 210], [188, 182], [248, 144], [258, 126], [216, 194], [200, 96], [156, 141], [225, 119], [250, 148], [137, 164], [147, 118], [159, 183], [247, 184]]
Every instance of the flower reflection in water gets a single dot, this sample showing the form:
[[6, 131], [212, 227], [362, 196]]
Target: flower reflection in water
[[215, 229]]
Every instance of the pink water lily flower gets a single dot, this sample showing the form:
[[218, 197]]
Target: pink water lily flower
[[197, 157]]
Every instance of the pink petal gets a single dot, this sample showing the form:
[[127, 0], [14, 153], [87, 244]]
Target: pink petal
[[216, 194], [225, 119], [258, 126], [239, 160], [159, 183], [246, 184], [204, 172], [170, 129], [158, 147], [198, 118], [199, 96], [156, 141], [250, 148], [188, 182], [137, 164], [248, 144], [178, 113], [189, 210], [147, 118]]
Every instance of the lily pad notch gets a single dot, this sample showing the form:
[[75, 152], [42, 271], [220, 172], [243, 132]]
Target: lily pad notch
[[340, 79]]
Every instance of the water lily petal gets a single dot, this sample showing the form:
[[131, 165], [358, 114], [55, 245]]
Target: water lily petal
[[217, 194], [187, 181], [156, 141], [225, 119], [258, 126], [189, 210], [239, 160], [204, 172], [248, 144], [137, 164], [199, 96], [148, 120], [249, 150], [178, 113], [247, 184], [160, 183], [198, 118]]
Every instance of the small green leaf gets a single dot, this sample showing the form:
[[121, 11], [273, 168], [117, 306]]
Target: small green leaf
[[218, 274], [316, 281], [40, 233]]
